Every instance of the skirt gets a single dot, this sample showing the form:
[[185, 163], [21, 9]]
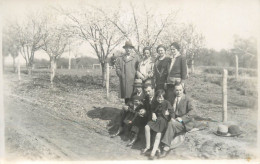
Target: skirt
[[159, 125]]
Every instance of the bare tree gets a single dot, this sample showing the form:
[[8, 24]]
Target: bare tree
[[55, 43], [90, 26], [30, 38], [144, 25], [10, 45]]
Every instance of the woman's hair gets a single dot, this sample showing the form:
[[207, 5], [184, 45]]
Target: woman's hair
[[160, 92], [147, 48], [176, 45], [160, 46]]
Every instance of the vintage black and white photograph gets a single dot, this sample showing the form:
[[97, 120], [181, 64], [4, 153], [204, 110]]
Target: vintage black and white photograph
[[99, 80]]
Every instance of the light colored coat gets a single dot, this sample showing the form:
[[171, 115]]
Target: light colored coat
[[126, 71]]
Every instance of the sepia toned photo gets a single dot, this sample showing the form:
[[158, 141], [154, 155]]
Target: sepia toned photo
[[131, 80]]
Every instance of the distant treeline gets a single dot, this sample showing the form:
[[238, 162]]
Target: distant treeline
[[86, 62], [224, 58], [206, 57]]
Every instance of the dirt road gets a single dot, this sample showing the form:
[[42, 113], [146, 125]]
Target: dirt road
[[36, 134]]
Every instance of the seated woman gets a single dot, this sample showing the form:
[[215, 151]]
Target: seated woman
[[162, 111], [145, 67]]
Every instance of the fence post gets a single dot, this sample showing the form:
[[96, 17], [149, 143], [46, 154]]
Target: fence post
[[19, 69], [107, 80], [224, 96], [236, 67]]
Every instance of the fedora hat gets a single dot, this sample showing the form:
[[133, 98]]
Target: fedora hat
[[128, 43], [228, 131], [138, 83], [148, 83]]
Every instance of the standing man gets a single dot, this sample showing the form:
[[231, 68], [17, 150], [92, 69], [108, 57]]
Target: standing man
[[126, 66]]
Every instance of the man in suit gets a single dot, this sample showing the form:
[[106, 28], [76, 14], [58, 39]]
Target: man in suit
[[183, 108]]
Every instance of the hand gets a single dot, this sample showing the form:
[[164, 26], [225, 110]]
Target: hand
[[179, 119], [130, 122], [167, 113], [154, 118], [142, 112]]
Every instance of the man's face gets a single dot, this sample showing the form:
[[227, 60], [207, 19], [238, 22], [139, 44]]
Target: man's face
[[128, 50], [178, 90], [149, 91], [138, 89], [137, 102]]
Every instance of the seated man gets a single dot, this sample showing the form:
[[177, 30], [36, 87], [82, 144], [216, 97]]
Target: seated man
[[183, 121]]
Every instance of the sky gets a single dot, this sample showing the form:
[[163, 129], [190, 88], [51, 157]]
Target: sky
[[217, 20]]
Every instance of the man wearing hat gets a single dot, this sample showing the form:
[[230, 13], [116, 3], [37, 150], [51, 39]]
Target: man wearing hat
[[126, 66], [138, 88]]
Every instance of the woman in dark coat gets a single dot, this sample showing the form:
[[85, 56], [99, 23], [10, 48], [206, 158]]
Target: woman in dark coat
[[177, 71], [162, 111], [161, 68]]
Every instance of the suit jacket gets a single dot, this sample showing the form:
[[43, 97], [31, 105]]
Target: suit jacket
[[185, 109]]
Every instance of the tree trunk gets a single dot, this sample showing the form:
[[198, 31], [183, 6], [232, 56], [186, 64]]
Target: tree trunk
[[53, 69], [29, 68], [103, 67], [192, 66], [14, 66]]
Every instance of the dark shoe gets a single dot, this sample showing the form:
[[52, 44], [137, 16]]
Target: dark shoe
[[164, 153], [132, 141], [151, 157], [158, 153], [116, 134]]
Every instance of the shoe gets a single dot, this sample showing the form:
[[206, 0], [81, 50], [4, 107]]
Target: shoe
[[144, 151], [164, 153], [151, 157], [158, 153], [116, 134], [132, 141]]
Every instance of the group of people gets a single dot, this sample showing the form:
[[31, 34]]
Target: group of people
[[154, 96]]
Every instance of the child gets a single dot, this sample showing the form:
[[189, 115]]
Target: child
[[130, 115], [162, 111]]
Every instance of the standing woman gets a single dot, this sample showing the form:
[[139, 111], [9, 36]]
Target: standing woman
[[177, 71], [145, 67], [161, 68]]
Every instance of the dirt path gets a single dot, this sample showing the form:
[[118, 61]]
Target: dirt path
[[33, 133]]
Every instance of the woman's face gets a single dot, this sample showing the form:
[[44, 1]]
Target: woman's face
[[161, 52], [160, 99], [146, 54], [174, 51]]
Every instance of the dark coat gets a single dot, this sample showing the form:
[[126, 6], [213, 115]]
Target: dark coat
[[185, 110], [179, 68], [126, 71]]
